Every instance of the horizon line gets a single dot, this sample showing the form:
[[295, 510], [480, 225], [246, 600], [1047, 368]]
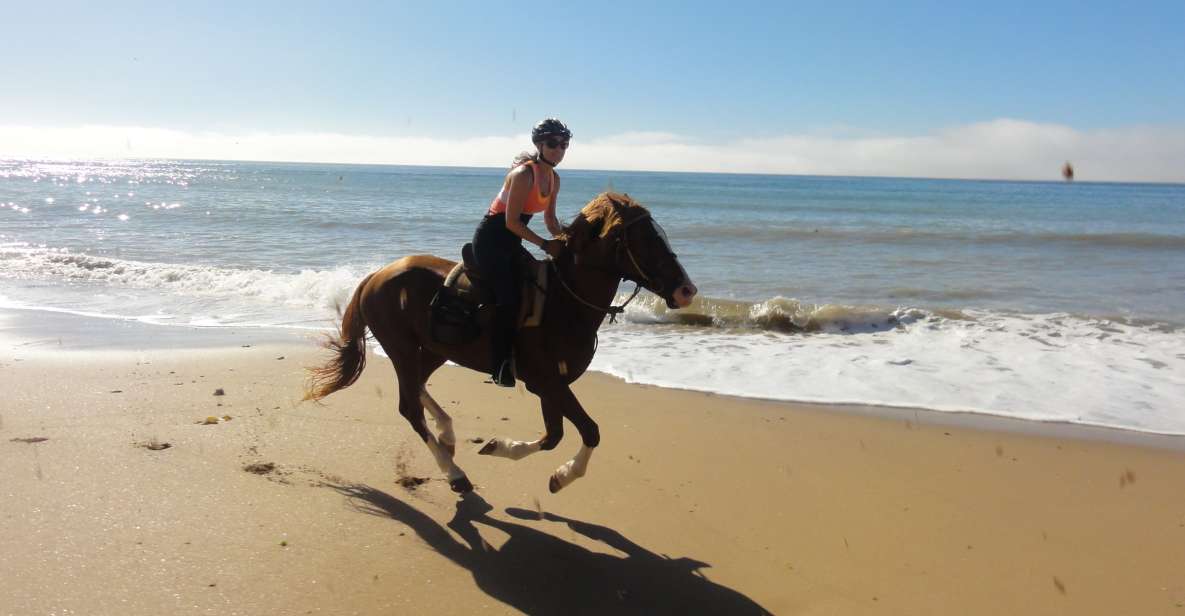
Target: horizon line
[[45, 159], [997, 150]]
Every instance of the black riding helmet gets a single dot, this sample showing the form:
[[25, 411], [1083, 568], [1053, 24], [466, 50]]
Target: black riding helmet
[[551, 127]]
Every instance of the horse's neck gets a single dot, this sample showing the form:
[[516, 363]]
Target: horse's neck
[[595, 286]]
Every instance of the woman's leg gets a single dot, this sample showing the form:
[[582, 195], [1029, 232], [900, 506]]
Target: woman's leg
[[495, 256]]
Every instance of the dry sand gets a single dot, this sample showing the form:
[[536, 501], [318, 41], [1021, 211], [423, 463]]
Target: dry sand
[[693, 503]]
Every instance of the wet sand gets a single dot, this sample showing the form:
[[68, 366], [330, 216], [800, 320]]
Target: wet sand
[[694, 503]]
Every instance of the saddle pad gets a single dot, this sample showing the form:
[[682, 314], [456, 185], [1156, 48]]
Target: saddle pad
[[534, 296]]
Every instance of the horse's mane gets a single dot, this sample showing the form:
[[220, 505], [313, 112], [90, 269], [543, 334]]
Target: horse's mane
[[605, 212]]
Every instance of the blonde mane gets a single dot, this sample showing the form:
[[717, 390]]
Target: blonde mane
[[606, 211]]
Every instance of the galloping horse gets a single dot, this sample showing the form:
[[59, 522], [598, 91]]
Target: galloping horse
[[613, 238]]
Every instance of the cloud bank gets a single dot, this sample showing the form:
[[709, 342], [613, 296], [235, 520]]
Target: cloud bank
[[999, 149]]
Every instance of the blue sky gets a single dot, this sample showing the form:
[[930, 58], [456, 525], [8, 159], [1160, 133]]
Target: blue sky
[[698, 74]]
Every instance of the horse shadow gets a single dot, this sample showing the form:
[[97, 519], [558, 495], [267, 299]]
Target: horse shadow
[[538, 573]]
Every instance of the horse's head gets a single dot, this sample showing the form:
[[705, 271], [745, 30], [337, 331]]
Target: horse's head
[[615, 233]]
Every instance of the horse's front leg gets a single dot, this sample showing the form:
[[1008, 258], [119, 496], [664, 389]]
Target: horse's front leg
[[553, 419], [573, 469]]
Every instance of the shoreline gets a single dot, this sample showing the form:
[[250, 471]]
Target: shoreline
[[29, 330], [975, 420]]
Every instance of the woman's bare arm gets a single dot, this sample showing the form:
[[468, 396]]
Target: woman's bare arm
[[549, 217]]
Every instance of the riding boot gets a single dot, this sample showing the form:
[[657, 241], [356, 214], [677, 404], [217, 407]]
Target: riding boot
[[503, 345]]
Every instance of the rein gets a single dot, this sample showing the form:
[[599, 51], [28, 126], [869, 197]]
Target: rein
[[611, 310]]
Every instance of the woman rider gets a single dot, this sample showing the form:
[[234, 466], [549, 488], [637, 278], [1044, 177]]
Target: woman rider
[[530, 188]]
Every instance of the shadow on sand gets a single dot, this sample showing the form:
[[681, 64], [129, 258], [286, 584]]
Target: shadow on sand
[[538, 573]]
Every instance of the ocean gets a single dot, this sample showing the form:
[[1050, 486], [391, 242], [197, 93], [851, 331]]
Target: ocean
[[1045, 301]]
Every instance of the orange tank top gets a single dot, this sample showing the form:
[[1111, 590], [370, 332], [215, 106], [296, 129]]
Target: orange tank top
[[536, 201]]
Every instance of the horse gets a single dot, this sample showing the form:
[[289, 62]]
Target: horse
[[613, 238]]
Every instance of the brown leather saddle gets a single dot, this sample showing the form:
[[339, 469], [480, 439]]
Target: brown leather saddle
[[458, 305]]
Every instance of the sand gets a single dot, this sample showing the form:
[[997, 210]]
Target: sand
[[694, 503]]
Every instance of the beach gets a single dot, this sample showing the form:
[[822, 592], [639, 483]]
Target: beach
[[873, 314], [180, 473]]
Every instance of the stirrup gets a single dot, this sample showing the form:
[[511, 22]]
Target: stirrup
[[504, 375]]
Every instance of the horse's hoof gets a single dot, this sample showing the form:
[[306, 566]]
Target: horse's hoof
[[553, 485], [489, 448], [461, 485]]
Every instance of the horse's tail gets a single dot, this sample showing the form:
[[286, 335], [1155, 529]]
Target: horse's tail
[[350, 352]]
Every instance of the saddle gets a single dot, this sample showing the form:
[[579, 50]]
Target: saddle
[[458, 305]]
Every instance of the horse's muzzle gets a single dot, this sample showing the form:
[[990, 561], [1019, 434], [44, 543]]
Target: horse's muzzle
[[682, 296]]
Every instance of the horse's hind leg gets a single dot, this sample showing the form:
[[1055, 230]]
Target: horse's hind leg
[[411, 406], [444, 423]]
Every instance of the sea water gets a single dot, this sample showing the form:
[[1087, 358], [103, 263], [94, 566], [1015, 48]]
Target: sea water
[[1044, 301]]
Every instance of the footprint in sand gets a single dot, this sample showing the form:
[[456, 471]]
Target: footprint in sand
[[260, 468]]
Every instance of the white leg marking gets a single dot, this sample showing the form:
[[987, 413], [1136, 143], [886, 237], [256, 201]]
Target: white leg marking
[[571, 470], [514, 450], [443, 458], [444, 423]]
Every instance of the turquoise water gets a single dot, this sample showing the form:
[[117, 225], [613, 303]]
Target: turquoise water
[[1092, 249], [813, 272]]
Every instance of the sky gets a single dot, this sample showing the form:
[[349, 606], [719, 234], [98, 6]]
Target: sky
[[1000, 90]]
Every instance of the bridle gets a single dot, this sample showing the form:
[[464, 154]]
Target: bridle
[[622, 243]]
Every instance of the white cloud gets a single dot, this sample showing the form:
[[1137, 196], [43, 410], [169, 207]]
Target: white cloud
[[1004, 149]]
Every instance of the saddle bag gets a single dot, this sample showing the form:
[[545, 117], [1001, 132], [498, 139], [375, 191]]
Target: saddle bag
[[454, 320]]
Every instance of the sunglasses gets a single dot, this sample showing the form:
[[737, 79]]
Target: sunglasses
[[556, 143]]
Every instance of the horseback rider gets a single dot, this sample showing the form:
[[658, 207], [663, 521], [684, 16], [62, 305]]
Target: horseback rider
[[530, 188]]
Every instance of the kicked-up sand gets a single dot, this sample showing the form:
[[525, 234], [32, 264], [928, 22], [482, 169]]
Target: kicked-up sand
[[194, 481]]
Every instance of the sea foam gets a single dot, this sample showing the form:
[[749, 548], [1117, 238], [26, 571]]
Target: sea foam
[[1055, 367], [1044, 367]]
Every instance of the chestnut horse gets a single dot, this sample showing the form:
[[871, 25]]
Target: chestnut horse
[[613, 238]]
